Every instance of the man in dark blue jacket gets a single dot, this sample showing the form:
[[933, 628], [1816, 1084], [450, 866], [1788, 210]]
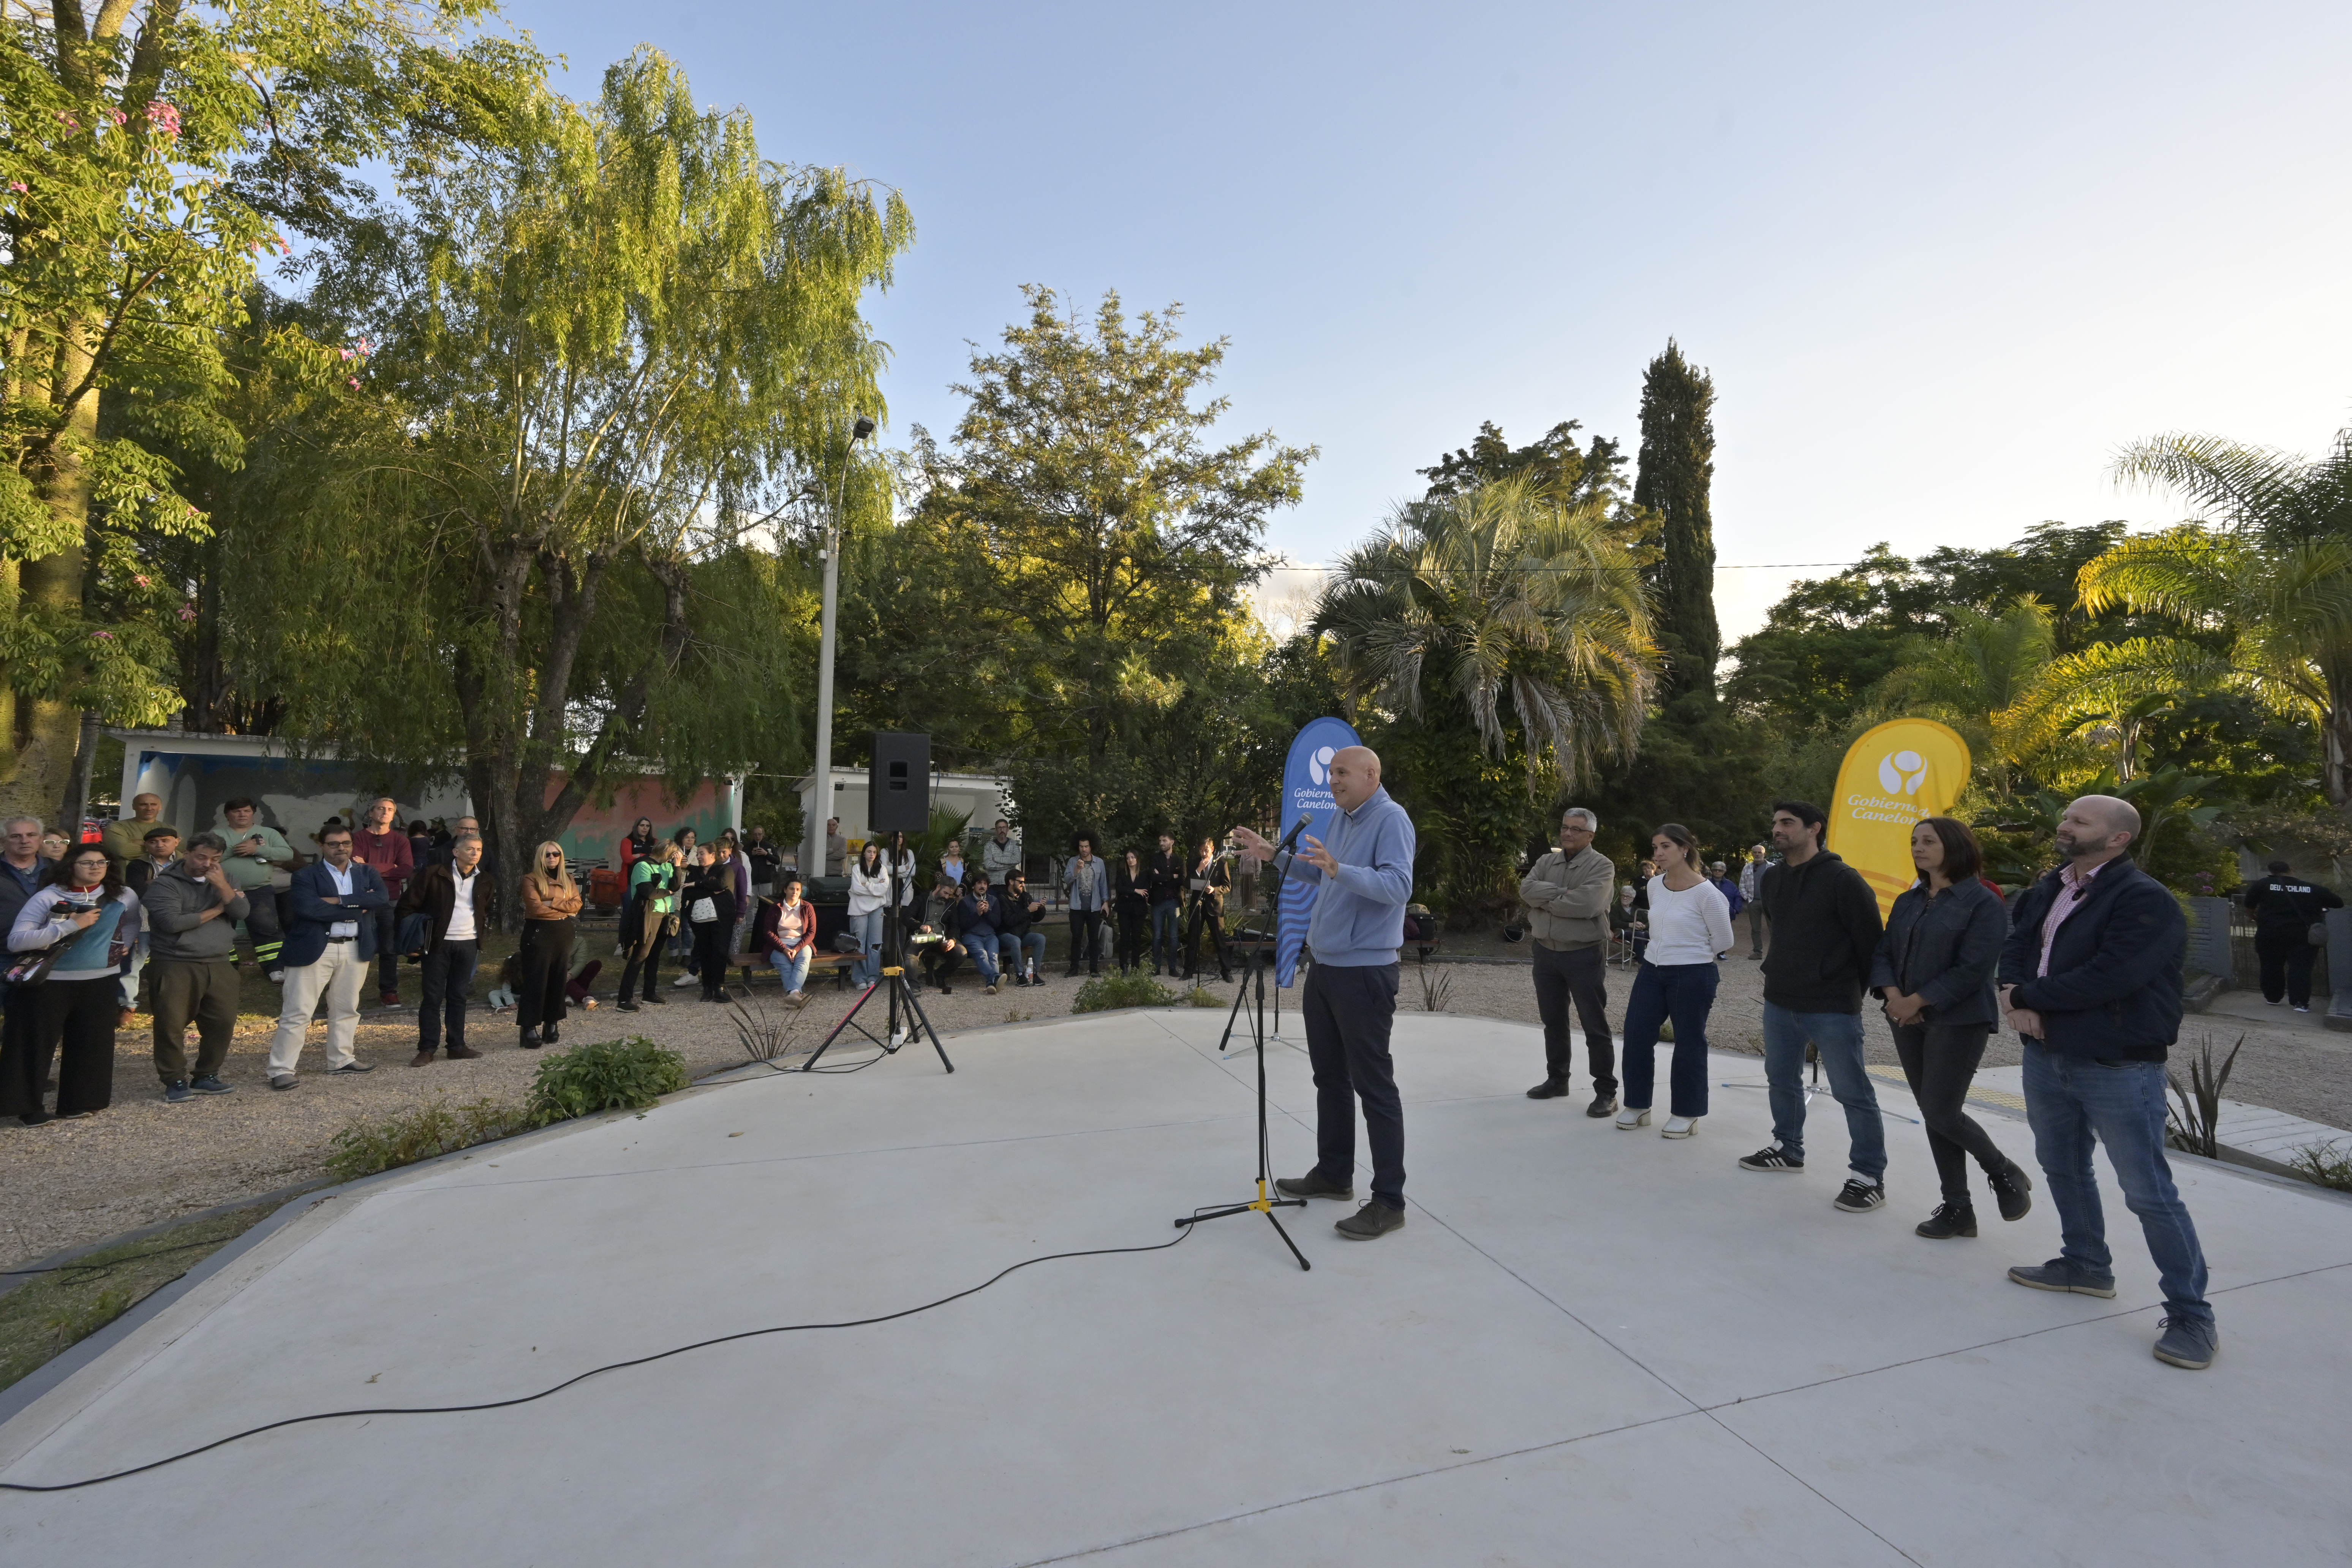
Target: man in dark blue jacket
[[2091, 980], [330, 942]]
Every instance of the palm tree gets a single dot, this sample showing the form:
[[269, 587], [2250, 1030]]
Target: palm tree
[[2271, 576], [1520, 609]]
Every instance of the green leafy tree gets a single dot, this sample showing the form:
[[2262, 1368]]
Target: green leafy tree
[[1675, 474], [151, 151], [1552, 463]]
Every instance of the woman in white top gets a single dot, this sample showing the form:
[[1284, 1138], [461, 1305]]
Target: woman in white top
[[1690, 924], [870, 904], [86, 907]]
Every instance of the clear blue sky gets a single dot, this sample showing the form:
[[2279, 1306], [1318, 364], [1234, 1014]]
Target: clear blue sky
[[1942, 260]]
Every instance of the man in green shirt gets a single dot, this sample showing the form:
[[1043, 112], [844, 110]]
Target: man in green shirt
[[256, 851], [126, 840]]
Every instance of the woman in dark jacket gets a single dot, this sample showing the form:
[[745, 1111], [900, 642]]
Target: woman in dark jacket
[[1130, 898], [1934, 970], [1205, 886], [715, 882]]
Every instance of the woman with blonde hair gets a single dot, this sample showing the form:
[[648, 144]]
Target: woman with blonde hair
[[551, 912]]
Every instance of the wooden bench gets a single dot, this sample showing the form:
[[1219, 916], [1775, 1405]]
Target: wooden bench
[[820, 964]]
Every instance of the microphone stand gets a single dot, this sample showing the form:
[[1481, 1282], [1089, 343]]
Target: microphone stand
[[1266, 1202]]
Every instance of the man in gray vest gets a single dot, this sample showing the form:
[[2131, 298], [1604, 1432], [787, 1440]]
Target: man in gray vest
[[1568, 894]]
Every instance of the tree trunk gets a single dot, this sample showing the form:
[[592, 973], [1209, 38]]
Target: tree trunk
[[51, 732]]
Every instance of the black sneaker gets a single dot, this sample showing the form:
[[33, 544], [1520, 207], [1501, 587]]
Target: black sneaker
[[2012, 1189], [1948, 1221], [1858, 1196], [1550, 1089], [211, 1084], [1371, 1222], [625, 1005], [1770, 1158], [659, 1000], [1603, 1105], [176, 1092], [1313, 1186]]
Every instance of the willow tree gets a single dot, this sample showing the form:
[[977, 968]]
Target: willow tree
[[152, 149], [612, 348]]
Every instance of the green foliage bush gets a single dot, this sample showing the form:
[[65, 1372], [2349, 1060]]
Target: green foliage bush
[[1105, 991], [363, 1148], [1201, 997], [607, 1075]]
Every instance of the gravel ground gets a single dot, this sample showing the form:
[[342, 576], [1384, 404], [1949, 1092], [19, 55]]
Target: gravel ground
[[75, 1182]]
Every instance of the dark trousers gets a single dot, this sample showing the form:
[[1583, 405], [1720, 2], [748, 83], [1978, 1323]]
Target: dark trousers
[[646, 960], [76, 1014], [1756, 930], [448, 977], [1134, 936], [711, 941], [387, 951], [1349, 1009], [265, 927], [2286, 957], [202, 990], [1685, 993], [1164, 919], [1085, 940], [1577, 975], [546, 954], [1206, 918], [1939, 1061]]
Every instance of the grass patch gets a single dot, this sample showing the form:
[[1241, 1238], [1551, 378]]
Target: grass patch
[[610, 1074], [50, 1312], [364, 1147], [1201, 997], [2320, 1164], [1106, 993]]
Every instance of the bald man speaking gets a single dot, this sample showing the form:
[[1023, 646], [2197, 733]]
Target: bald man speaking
[[2091, 980], [1365, 875]]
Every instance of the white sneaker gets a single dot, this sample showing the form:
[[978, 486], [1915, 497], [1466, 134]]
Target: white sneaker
[[1679, 1127], [1629, 1119], [682, 982]]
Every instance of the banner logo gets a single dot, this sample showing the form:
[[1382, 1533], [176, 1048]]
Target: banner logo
[[1902, 773], [1894, 775], [1306, 792]]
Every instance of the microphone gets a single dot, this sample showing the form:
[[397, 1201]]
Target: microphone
[[1290, 838]]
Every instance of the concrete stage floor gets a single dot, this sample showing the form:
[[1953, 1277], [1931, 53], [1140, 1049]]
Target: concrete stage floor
[[1585, 1345]]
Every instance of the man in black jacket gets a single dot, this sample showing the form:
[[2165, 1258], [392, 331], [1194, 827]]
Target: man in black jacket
[[458, 897], [2285, 907], [2091, 980], [1826, 929], [1166, 873]]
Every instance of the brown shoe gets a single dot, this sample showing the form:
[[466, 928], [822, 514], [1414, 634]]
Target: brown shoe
[[422, 1058], [463, 1053]]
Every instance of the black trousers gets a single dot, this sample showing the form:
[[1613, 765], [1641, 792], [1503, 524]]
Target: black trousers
[[1205, 913], [2286, 958], [1349, 1009], [711, 941], [387, 951], [1939, 1061], [1576, 977], [448, 977], [1134, 936], [546, 954], [77, 1017], [1085, 940]]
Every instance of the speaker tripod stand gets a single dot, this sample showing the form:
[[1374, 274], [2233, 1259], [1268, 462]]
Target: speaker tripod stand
[[913, 1022], [1266, 1202]]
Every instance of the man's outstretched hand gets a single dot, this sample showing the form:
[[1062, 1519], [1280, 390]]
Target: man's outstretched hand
[[1315, 855], [1253, 842]]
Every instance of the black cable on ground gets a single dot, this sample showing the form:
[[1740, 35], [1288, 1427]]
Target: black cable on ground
[[582, 1377], [118, 1262]]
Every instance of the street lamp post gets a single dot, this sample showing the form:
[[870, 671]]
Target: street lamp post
[[813, 854]]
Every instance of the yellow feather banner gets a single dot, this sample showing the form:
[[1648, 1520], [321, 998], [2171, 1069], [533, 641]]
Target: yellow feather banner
[[1897, 773]]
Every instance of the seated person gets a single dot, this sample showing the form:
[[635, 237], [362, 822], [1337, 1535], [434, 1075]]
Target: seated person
[[786, 932], [974, 924], [935, 935], [1017, 938]]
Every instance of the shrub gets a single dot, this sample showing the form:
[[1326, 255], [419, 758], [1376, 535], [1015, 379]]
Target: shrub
[[2196, 1118], [607, 1075], [2325, 1165], [1104, 993], [1201, 997], [363, 1148]]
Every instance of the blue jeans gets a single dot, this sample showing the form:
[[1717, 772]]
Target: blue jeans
[[2071, 1102], [1838, 1038], [1031, 943], [1684, 992], [868, 929], [793, 970], [1163, 933]]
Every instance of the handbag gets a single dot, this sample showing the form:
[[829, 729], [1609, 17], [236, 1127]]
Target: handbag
[[32, 968], [702, 912]]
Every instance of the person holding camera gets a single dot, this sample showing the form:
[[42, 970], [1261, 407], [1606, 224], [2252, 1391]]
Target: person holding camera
[[1206, 885], [1567, 895], [1017, 936]]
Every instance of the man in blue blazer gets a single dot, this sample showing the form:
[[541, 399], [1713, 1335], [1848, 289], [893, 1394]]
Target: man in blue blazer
[[330, 942], [2091, 981]]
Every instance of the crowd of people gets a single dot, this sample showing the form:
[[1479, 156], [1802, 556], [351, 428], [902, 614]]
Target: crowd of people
[[2086, 966]]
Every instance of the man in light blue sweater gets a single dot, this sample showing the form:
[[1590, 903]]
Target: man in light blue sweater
[[1365, 876]]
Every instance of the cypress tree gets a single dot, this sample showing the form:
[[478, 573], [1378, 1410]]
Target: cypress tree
[[1676, 468]]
